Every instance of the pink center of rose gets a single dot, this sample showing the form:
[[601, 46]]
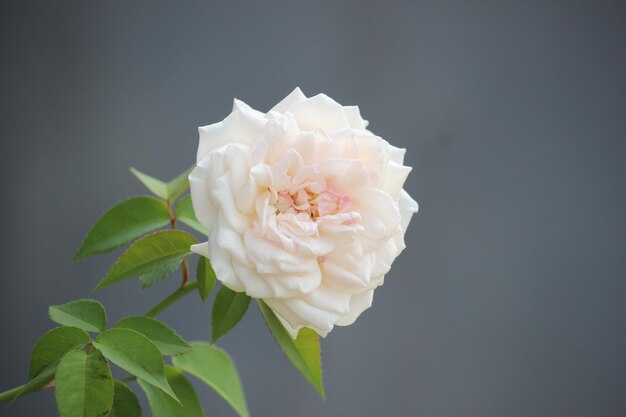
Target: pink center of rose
[[303, 200]]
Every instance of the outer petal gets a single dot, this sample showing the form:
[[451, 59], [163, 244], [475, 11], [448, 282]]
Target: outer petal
[[355, 121], [293, 321], [320, 112], [239, 105], [287, 103], [222, 264], [385, 255], [201, 249], [202, 205], [396, 154], [358, 304], [394, 178], [230, 167], [408, 207], [241, 126], [380, 217]]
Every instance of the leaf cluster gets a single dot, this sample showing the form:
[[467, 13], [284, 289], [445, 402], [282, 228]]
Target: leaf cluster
[[76, 358]]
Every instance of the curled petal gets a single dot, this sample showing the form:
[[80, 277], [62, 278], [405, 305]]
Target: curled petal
[[320, 112], [394, 178], [288, 102], [408, 207], [221, 261], [353, 115], [241, 126], [396, 154], [380, 218], [358, 304], [272, 259], [203, 206]]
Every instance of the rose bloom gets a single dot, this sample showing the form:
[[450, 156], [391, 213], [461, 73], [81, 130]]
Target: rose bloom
[[304, 206]]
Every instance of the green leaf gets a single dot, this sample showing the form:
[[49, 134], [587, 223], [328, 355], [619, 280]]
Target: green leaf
[[184, 212], [179, 184], [154, 277], [148, 254], [158, 187], [163, 406], [53, 345], [123, 223], [206, 277], [85, 314], [125, 402], [135, 353], [166, 190], [83, 386], [304, 352], [215, 368], [163, 336], [228, 309]]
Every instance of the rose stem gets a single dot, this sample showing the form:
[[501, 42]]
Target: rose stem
[[185, 267]]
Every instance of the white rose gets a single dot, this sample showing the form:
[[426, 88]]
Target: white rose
[[304, 206]]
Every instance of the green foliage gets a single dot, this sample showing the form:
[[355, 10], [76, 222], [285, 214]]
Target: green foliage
[[123, 223], [163, 406], [215, 368], [157, 187], [154, 277], [165, 190], [148, 254], [164, 337], [303, 352], [206, 277], [53, 345], [125, 403], [85, 314], [135, 353], [83, 385], [228, 309], [179, 184], [184, 212]]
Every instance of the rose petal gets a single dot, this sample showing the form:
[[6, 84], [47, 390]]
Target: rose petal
[[203, 207], [358, 304], [380, 218], [222, 265], [394, 179], [353, 115], [319, 112], [287, 103], [239, 105], [241, 126], [408, 207]]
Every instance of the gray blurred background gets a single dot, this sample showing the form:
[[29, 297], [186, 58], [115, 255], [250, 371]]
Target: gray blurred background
[[509, 300]]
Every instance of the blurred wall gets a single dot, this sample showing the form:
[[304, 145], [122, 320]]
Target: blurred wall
[[509, 300]]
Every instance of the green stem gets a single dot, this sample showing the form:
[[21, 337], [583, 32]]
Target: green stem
[[9, 395], [185, 268], [175, 296]]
